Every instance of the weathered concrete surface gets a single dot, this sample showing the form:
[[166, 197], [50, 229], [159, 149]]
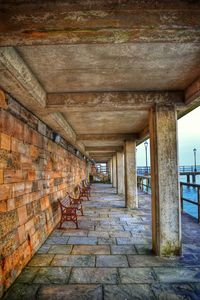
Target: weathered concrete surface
[[114, 171], [113, 67], [17, 78], [130, 172], [120, 172], [192, 93], [99, 22], [110, 101], [165, 187]]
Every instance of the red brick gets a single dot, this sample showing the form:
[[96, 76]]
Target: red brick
[[11, 176], [29, 227], [10, 204], [18, 146], [5, 141], [44, 203], [33, 152], [1, 176], [3, 206], [21, 234], [5, 191], [22, 214], [31, 175]]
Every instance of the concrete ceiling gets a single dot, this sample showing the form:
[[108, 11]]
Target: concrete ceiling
[[50, 49], [113, 67], [107, 122]]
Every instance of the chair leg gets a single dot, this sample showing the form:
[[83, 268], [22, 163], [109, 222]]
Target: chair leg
[[81, 210]]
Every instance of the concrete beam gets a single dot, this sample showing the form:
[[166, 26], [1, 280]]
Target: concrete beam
[[192, 93], [102, 154], [59, 124], [98, 22], [18, 80], [107, 137], [3, 102], [110, 101], [104, 149]]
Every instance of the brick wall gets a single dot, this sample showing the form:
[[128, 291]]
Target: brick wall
[[34, 173]]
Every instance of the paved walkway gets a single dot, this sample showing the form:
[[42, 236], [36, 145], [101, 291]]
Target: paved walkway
[[110, 257]]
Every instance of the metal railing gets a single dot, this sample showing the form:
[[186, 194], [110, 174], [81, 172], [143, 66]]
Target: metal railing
[[195, 187], [182, 169], [144, 184]]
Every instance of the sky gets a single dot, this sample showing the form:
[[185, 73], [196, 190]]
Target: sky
[[188, 139]]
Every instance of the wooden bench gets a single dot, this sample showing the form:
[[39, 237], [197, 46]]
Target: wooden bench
[[86, 186], [82, 192], [69, 207]]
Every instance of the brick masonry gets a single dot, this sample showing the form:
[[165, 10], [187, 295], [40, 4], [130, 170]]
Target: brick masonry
[[34, 173]]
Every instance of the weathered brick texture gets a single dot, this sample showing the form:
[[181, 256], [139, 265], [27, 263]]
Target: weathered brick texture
[[34, 173]]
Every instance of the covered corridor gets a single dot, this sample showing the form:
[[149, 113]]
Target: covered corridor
[[110, 257]]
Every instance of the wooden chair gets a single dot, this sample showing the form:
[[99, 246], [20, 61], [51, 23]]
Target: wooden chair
[[69, 207]]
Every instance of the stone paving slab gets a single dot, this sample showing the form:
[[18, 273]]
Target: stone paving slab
[[186, 274], [94, 275], [62, 240], [131, 240], [44, 249], [74, 260], [22, 291], [123, 249], [111, 261], [86, 249], [49, 275], [60, 249], [106, 241], [101, 234], [177, 291], [136, 275], [72, 292], [149, 261], [75, 232], [28, 274], [41, 260], [82, 240], [128, 292]]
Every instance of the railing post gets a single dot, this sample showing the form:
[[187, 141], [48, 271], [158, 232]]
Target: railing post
[[198, 205], [181, 189]]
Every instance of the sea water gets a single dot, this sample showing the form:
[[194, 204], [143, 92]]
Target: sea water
[[190, 193]]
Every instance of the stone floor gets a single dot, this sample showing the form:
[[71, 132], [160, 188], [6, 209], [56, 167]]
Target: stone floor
[[110, 257]]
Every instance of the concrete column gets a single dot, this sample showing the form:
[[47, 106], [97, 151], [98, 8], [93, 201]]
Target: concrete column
[[120, 172], [114, 171], [130, 172], [166, 225], [110, 168]]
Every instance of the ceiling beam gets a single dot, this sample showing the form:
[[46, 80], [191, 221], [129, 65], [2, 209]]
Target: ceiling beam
[[17, 79], [107, 137], [192, 93], [104, 149], [110, 101], [98, 22], [102, 154]]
